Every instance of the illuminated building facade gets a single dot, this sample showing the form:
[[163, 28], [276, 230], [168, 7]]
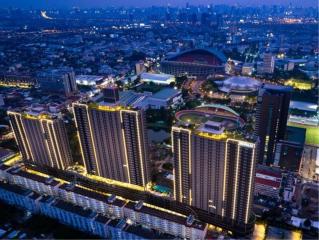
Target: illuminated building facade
[[42, 139], [271, 119], [214, 172], [113, 142]]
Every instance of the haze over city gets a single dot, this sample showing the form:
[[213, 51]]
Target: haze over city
[[148, 3]]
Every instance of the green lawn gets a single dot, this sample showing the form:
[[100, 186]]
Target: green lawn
[[312, 133]]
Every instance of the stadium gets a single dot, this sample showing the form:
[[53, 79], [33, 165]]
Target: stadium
[[199, 63], [215, 114]]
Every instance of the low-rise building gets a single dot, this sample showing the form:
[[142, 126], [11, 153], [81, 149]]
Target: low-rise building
[[80, 208], [178, 225], [37, 183], [18, 196], [167, 97], [105, 205], [267, 181]]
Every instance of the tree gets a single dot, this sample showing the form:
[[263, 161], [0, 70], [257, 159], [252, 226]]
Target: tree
[[210, 86], [180, 80]]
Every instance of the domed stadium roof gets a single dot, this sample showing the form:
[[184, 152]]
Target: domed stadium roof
[[239, 84], [208, 56], [218, 106]]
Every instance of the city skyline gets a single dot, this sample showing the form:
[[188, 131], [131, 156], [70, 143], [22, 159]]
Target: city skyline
[[136, 3]]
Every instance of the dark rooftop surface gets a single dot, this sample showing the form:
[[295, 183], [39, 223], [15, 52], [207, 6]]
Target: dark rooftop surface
[[296, 134], [47, 199], [35, 177], [211, 51], [114, 222], [277, 88], [34, 195], [74, 209], [102, 219], [15, 188], [165, 93]]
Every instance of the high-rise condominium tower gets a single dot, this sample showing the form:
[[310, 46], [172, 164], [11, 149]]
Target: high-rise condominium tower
[[42, 139], [214, 169], [113, 142], [268, 63], [271, 119]]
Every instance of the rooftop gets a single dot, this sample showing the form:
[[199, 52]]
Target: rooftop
[[296, 134], [239, 84], [277, 88], [88, 78], [102, 219], [166, 93], [35, 177], [156, 77], [211, 119], [168, 216], [74, 209], [211, 51], [15, 188], [92, 194], [306, 106]]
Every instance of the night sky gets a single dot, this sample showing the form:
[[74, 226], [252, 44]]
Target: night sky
[[145, 3]]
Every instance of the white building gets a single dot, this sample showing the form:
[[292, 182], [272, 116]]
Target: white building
[[161, 79], [167, 97], [177, 225], [267, 182], [237, 84], [89, 80]]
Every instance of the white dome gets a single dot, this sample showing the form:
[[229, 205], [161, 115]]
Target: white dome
[[241, 84]]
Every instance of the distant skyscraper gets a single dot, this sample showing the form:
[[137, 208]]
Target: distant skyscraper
[[58, 81], [268, 63], [113, 142], [42, 139], [271, 119], [214, 172]]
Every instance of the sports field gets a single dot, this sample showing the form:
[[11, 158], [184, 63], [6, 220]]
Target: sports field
[[312, 133]]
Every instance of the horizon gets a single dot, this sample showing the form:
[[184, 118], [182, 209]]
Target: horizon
[[161, 3]]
